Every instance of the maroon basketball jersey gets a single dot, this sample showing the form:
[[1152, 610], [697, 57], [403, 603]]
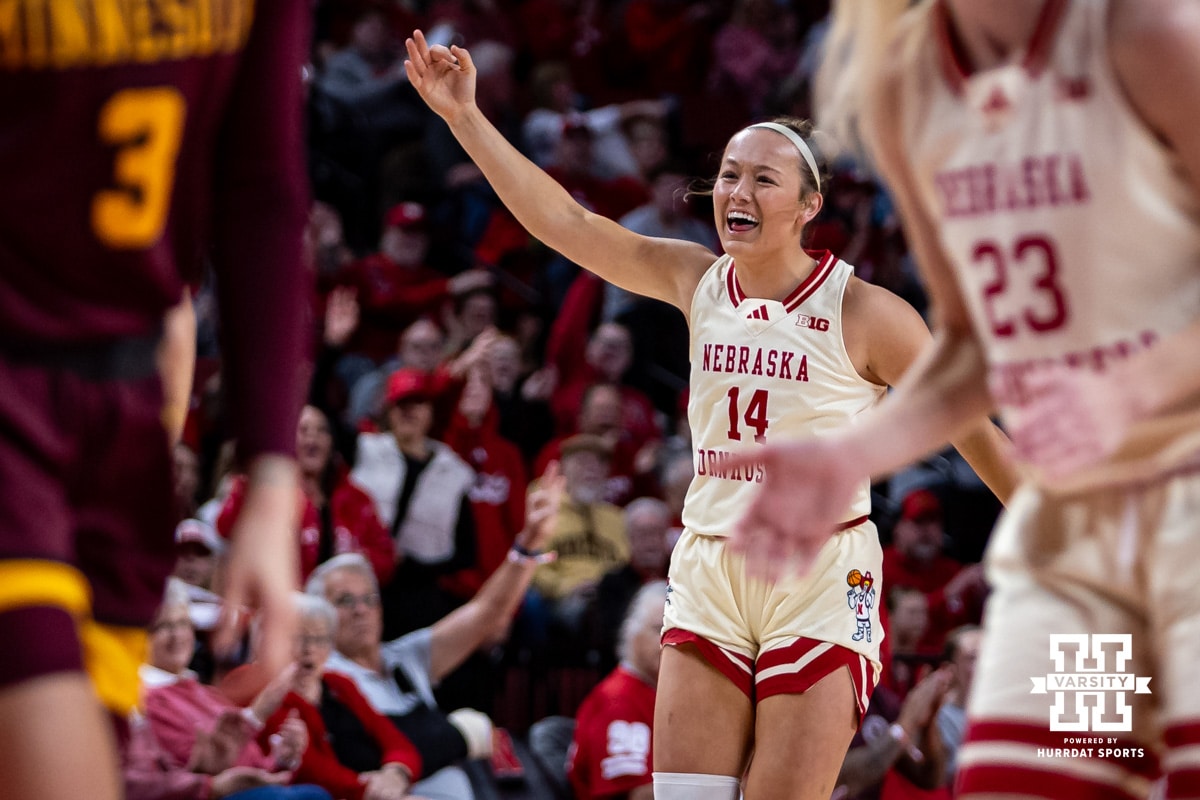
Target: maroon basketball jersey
[[139, 140]]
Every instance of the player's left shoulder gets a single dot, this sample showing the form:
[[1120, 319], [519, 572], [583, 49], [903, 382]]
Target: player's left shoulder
[[1154, 48], [870, 306], [881, 330], [1145, 36]]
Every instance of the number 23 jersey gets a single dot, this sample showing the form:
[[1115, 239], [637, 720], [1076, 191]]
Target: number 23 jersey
[[764, 371], [1073, 232]]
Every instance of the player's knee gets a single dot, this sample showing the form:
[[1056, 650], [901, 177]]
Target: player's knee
[[694, 786]]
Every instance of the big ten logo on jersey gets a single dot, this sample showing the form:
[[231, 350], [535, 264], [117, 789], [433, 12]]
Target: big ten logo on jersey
[[812, 323], [628, 749]]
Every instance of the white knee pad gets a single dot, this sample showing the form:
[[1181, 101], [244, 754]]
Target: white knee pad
[[694, 786]]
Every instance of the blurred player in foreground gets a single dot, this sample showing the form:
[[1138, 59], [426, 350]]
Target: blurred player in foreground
[[1044, 155], [138, 143]]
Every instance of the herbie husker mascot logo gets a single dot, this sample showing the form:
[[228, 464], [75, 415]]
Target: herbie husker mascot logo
[[861, 598]]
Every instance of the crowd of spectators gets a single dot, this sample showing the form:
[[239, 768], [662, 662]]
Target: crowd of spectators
[[455, 360]]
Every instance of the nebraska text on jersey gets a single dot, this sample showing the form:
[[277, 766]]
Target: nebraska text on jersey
[[768, 362], [1033, 182]]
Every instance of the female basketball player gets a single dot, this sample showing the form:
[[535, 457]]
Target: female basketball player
[[1044, 155], [784, 343]]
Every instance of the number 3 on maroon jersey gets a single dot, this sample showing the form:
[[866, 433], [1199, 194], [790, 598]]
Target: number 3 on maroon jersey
[[1032, 254], [755, 416], [145, 126]]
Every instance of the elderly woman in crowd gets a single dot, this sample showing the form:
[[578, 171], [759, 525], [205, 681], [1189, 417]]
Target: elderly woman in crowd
[[354, 751], [193, 728]]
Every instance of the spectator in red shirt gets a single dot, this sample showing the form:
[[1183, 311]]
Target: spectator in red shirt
[[609, 197], [954, 593], [498, 496], [354, 752], [669, 41], [395, 287], [907, 623], [336, 516], [610, 754], [198, 728], [600, 414], [583, 359]]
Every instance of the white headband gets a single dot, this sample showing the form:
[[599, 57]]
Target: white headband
[[797, 140]]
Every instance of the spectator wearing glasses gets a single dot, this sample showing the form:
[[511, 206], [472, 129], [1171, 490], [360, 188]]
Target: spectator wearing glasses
[[354, 752], [397, 677]]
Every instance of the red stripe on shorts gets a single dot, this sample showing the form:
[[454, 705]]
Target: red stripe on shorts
[[862, 676], [718, 657], [1040, 736], [851, 523], [1184, 783], [1182, 735], [1009, 779]]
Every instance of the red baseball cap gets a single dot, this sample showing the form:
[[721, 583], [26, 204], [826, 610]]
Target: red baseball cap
[[407, 384], [921, 505], [405, 215]]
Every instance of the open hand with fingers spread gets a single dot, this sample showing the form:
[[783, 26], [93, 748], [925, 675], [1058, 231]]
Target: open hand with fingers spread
[[1069, 419], [805, 493]]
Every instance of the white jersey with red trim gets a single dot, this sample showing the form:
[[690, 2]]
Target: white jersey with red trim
[[1073, 232], [765, 370]]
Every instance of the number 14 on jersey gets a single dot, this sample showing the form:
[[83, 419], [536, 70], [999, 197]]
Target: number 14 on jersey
[[754, 416]]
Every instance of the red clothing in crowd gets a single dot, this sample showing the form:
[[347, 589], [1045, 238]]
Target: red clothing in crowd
[[356, 528], [897, 787], [611, 753], [320, 764], [497, 498], [608, 197], [668, 42], [177, 711], [390, 298], [567, 349], [945, 613]]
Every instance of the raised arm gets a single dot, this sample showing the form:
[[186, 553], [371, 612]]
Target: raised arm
[[461, 632], [661, 268]]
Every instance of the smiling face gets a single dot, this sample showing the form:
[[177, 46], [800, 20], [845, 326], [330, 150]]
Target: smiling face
[[314, 442], [762, 198], [172, 639]]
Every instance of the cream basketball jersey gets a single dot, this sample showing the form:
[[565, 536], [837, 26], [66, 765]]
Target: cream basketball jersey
[[765, 370], [1074, 236]]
